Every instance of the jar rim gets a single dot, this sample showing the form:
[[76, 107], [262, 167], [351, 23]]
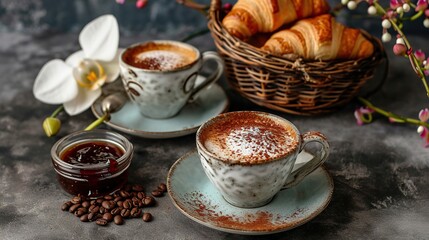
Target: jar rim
[[123, 143]]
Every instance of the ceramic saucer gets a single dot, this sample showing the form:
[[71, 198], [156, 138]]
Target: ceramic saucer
[[197, 198], [210, 102]]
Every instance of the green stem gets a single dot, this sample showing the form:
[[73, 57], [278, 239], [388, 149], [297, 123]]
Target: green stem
[[97, 122], [413, 60], [393, 115], [57, 111]]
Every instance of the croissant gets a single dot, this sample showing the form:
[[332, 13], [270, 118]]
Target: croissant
[[321, 37], [248, 17]]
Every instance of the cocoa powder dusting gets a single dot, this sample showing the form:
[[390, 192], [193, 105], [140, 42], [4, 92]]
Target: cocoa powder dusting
[[260, 221]]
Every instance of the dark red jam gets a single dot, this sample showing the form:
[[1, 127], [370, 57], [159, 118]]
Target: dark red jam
[[98, 172]]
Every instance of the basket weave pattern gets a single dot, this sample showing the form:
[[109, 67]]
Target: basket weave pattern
[[301, 87]]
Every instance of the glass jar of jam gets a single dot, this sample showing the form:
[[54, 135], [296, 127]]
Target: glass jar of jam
[[92, 163]]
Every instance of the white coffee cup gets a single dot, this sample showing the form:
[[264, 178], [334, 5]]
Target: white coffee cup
[[159, 76], [249, 156]]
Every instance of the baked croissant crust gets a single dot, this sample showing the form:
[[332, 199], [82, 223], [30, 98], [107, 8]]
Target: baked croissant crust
[[321, 37], [248, 17]]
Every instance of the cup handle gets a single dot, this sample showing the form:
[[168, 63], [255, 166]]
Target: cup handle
[[209, 55], [299, 174]]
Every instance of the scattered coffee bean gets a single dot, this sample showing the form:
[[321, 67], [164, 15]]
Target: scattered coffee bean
[[116, 211], [101, 222], [137, 188], [86, 204], [108, 204], [157, 193], [147, 217], [136, 212], [108, 197], [141, 195], [84, 218], [66, 206], [148, 201], [125, 213], [94, 209], [162, 187], [123, 204], [118, 220], [74, 207], [76, 199], [108, 216]]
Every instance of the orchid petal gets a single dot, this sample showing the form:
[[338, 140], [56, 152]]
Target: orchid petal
[[112, 68], [75, 58], [82, 102], [358, 115], [99, 39], [55, 83]]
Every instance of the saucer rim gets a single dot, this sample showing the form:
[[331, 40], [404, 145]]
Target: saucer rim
[[157, 135], [313, 215]]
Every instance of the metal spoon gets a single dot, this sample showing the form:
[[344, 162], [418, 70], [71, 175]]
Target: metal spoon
[[113, 102]]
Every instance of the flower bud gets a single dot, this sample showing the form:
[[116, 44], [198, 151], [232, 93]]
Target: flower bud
[[141, 3], [421, 5], [420, 55], [51, 126], [372, 10], [426, 23], [394, 4], [424, 115], [399, 49], [351, 5], [427, 12], [406, 7], [399, 10], [344, 2], [386, 24], [386, 37]]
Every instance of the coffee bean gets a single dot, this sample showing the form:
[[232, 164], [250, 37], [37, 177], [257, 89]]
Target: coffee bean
[[85, 210], [125, 213], [108, 205], [137, 188], [99, 200], [116, 211], [118, 220], [141, 195], [120, 204], [66, 206], [162, 187], [157, 193], [94, 209], [148, 201], [127, 204], [108, 197], [74, 207], [85, 204], [147, 217], [92, 216], [102, 210], [136, 202], [117, 199], [101, 222], [79, 213], [93, 202], [84, 217], [108, 216], [124, 194], [76, 199], [136, 212]]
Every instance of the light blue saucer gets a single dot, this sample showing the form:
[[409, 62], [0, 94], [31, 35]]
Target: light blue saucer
[[210, 102], [197, 198]]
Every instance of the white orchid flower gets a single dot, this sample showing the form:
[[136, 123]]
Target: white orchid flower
[[76, 82]]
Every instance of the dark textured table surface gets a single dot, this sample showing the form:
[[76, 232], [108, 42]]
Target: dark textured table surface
[[380, 170]]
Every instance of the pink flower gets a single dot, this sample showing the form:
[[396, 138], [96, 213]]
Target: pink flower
[[420, 55], [399, 49], [120, 1], [395, 4], [363, 115], [141, 3], [424, 115], [421, 5], [427, 12], [424, 134]]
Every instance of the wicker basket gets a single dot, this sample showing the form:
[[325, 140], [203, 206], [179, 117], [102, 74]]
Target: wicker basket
[[301, 87]]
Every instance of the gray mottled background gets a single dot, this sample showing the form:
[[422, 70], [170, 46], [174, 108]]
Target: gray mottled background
[[380, 170]]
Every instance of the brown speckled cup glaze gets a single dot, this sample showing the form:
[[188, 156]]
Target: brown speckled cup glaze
[[249, 156]]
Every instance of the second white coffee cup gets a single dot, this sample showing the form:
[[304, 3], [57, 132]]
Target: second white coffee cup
[[159, 76]]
